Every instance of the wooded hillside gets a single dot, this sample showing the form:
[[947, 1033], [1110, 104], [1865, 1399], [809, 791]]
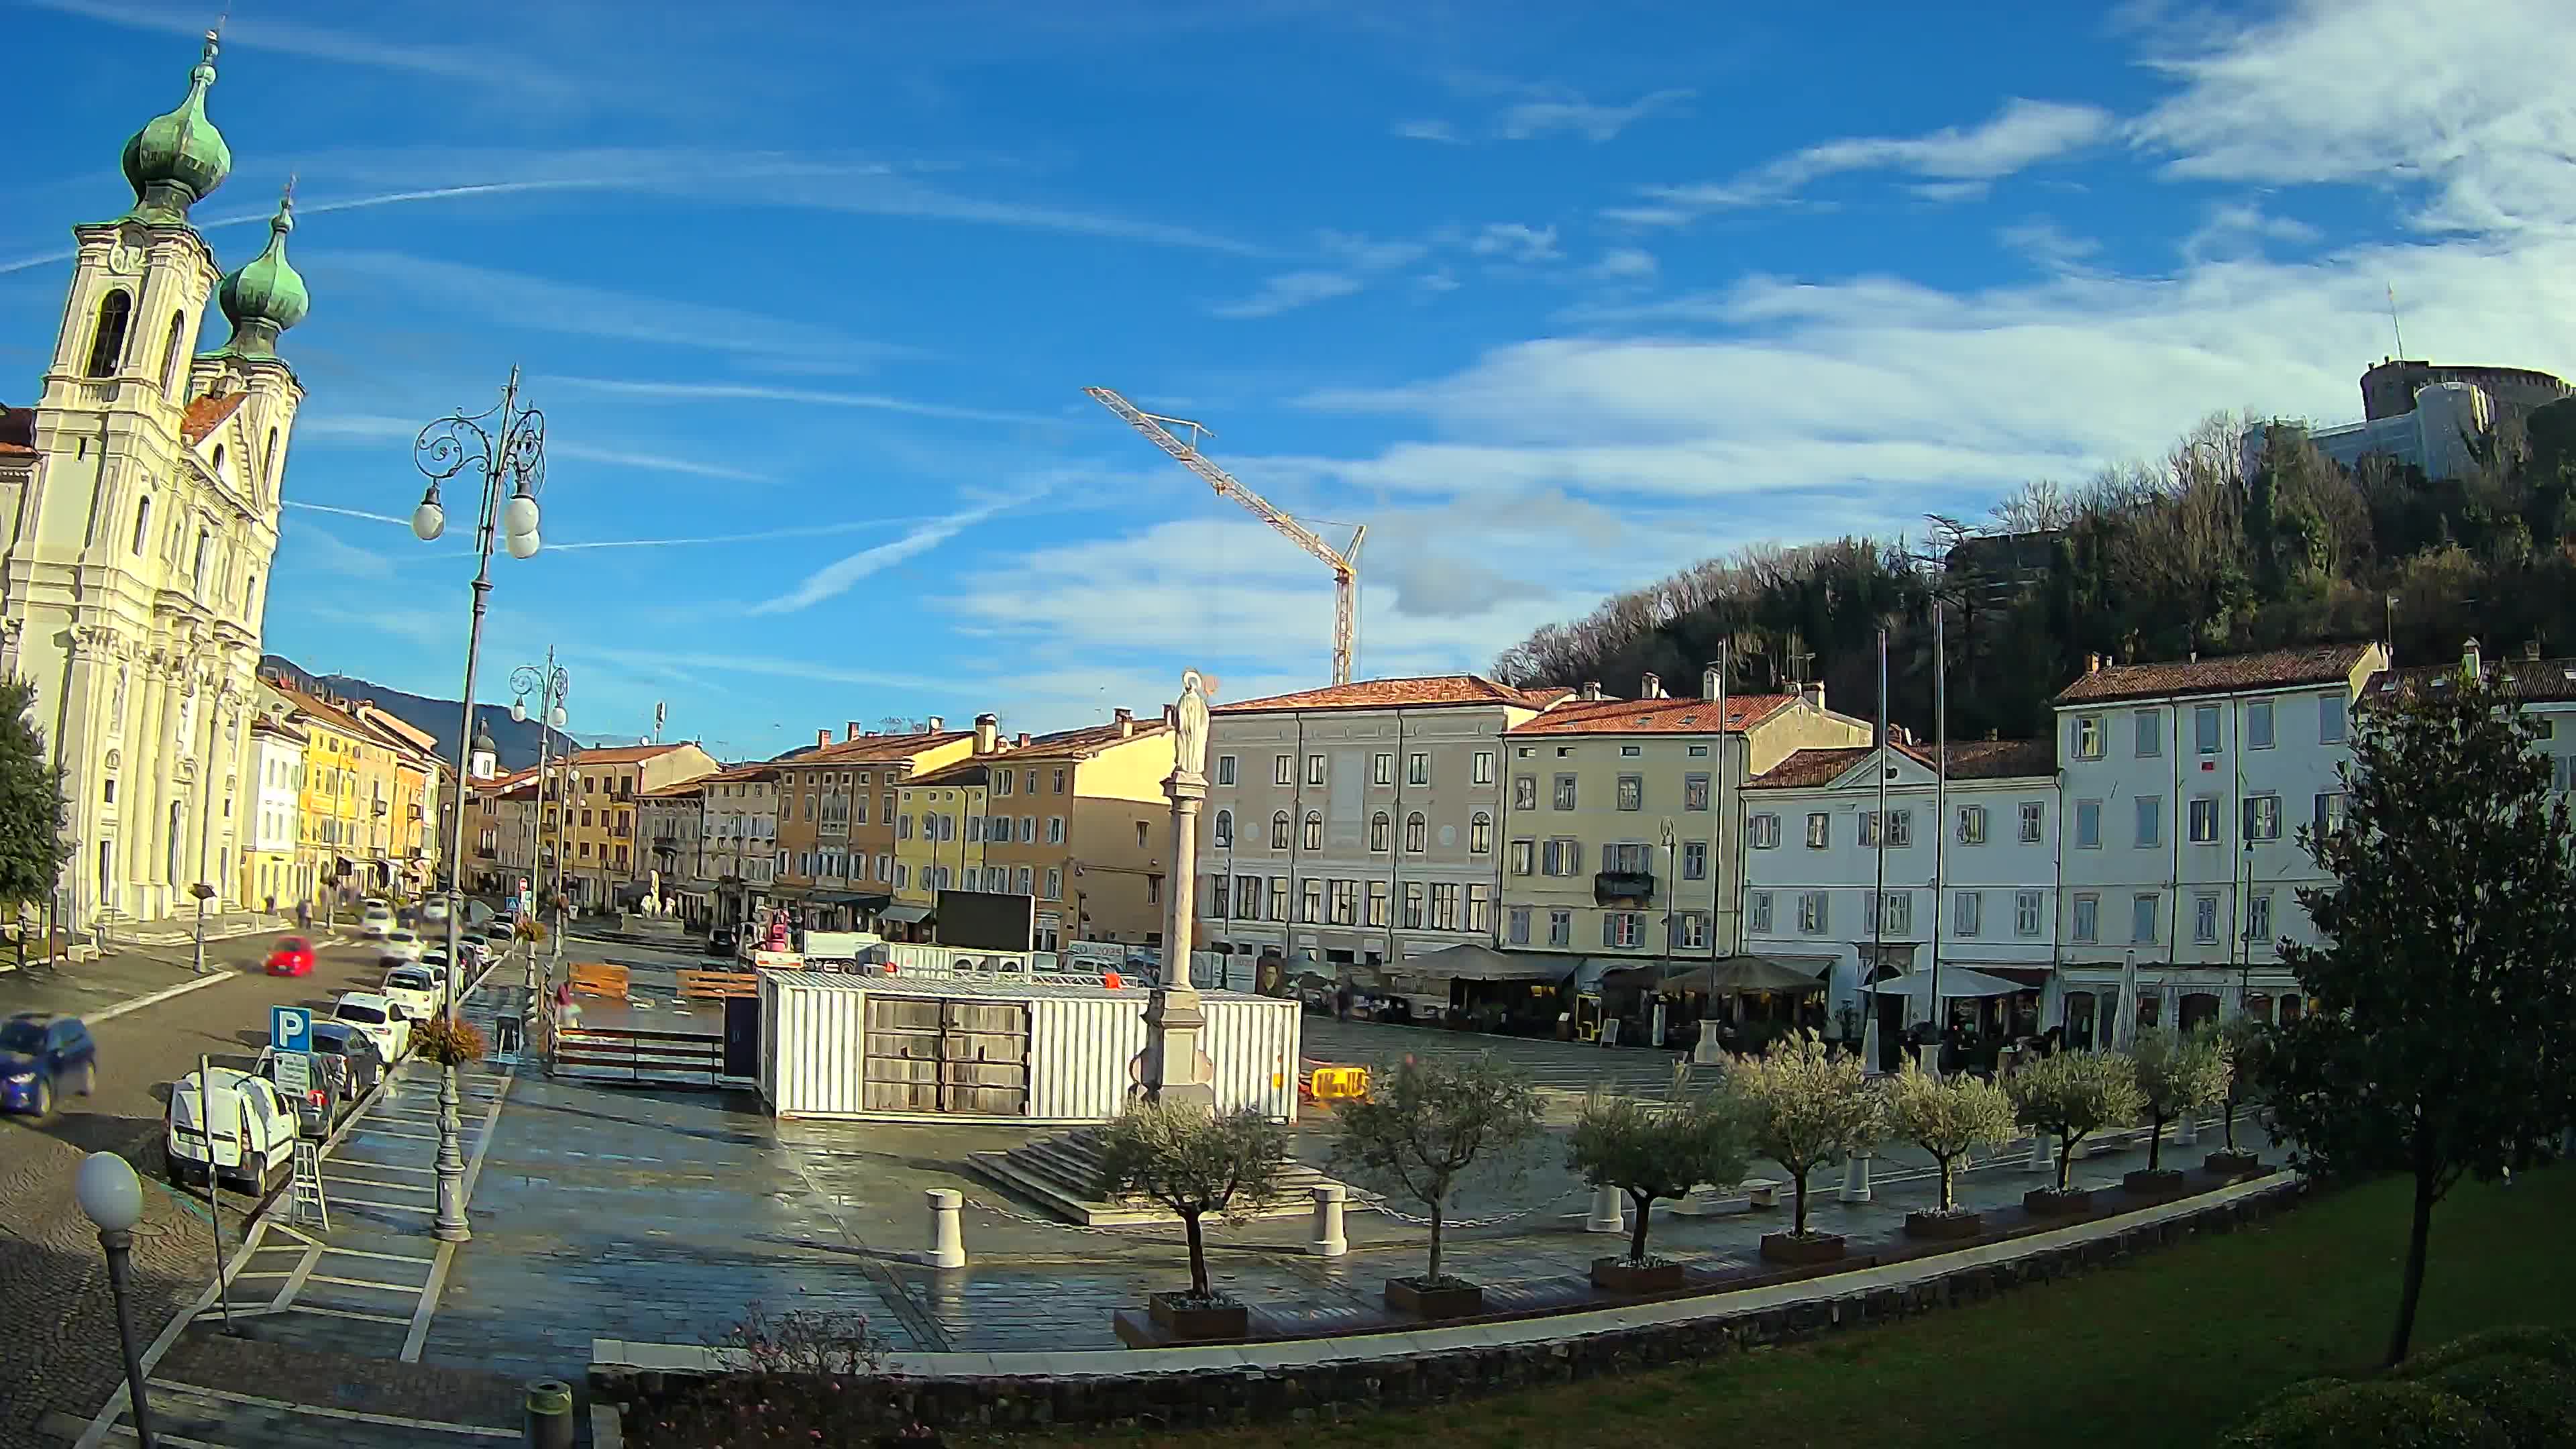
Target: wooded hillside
[[2146, 561]]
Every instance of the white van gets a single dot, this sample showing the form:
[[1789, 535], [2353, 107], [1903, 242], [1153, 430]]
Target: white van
[[248, 1134]]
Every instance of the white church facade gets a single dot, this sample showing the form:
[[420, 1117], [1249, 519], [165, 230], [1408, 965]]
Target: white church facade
[[140, 498]]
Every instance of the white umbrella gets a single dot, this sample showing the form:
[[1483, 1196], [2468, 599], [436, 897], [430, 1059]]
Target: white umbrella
[[2123, 1028], [1956, 981]]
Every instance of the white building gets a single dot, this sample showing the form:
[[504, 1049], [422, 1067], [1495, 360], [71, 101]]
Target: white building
[[277, 817], [1355, 825], [2184, 787], [142, 498], [1979, 890], [738, 838]]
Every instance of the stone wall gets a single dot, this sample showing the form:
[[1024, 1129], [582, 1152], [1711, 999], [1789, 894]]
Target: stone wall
[[1330, 1389]]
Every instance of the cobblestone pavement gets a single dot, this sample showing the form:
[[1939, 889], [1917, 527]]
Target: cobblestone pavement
[[53, 1278]]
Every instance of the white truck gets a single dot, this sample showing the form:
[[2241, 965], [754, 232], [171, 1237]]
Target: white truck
[[227, 1121]]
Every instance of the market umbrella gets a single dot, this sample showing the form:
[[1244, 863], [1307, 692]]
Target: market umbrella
[[1956, 981], [1736, 975]]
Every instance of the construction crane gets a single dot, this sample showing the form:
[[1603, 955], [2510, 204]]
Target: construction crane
[[1344, 561]]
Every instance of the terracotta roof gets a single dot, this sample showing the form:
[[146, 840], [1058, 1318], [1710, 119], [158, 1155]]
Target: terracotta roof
[[2536, 680], [1969, 760], [205, 414], [1652, 716], [964, 772], [2278, 669], [1423, 692], [625, 754], [737, 774], [697, 786], [873, 749], [1087, 741]]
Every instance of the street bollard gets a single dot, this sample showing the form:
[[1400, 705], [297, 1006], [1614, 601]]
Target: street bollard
[[1855, 1186], [2187, 1130], [947, 1237], [1328, 1240], [548, 1421], [2039, 1164], [1609, 1211]]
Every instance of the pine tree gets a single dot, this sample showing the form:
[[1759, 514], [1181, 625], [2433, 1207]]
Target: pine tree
[[32, 848], [2444, 1040]]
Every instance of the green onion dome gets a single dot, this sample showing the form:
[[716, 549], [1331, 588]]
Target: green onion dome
[[177, 159], [266, 296]]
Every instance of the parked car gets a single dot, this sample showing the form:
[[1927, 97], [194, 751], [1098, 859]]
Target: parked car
[[434, 909], [722, 942], [291, 956], [385, 1022], [228, 1122], [399, 945], [42, 1054], [500, 933], [419, 991], [322, 1103], [376, 920]]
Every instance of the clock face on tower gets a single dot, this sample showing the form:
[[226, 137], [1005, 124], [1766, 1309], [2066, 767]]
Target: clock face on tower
[[125, 258]]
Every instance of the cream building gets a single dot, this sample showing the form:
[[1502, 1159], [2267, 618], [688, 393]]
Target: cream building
[[142, 502], [271, 870]]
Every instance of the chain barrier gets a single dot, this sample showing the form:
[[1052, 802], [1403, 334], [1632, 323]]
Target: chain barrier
[[1374, 1202], [1025, 1220]]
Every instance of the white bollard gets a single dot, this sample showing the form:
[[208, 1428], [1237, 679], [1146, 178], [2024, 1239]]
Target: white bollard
[[1856, 1178], [1609, 1211], [1328, 1240], [2039, 1163], [947, 1236], [2187, 1130]]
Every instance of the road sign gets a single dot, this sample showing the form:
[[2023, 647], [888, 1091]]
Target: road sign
[[294, 1073], [290, 1029]]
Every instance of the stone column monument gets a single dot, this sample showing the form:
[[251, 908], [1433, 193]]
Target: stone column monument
[[1176, 1067]]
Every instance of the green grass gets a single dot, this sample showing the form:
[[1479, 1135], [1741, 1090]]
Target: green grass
[[2167, 1350]]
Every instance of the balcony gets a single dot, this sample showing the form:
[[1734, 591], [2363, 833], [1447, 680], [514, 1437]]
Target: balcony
[[1623, 887]]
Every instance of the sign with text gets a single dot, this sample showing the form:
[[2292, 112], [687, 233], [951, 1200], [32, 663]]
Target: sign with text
[[294, 1073]]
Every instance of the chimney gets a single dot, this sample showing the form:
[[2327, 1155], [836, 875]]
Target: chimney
[[1126, 723], [1022, 742], [2531, 650], [1592, 689], [2471, 661], [2092, 663], [1711, 682], [1650, 687], [934, 725], [1815, 694], [851, 728], [822, 738], [988, 729], [1994, 735]]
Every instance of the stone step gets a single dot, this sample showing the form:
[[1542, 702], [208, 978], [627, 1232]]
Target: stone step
[[1055, 1173]]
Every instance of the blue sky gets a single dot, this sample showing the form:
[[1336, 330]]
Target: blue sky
[[1556, 299]]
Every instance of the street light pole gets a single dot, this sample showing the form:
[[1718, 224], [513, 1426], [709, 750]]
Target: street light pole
[[549, 684], [505, 447], [112, 1198]]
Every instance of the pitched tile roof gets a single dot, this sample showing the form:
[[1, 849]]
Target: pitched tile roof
[[1422, 692], [1969, 760], [17, 432], [1087, 741], [1652, 716], [964, 772], [207, 413], [2277, 669], [625, 754], [2536, 680], [872, 749]]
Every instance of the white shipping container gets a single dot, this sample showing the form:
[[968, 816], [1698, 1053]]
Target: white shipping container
[[1082, 1042]]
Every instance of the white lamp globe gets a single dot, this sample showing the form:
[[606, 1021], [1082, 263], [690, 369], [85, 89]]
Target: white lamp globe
[[523, 545], [518, 711], [428, 521], [109, 1193], [519, 515], [558, 720]]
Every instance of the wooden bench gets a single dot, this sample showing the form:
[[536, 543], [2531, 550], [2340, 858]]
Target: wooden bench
[[598, 978], [718, 985]]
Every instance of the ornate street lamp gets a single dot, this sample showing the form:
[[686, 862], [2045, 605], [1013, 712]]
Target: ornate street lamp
[[549, 683], [505, 449], [111, 1198]]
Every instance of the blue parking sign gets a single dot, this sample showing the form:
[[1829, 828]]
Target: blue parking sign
[[290, 1028]]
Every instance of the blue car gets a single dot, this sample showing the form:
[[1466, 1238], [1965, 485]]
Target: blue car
[[41, 1054]]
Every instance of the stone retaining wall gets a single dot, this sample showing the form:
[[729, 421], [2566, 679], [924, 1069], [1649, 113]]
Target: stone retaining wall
[[1336, 1378]]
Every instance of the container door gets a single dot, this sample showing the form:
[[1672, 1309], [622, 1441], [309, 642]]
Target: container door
[[984, 1058], [901, 1056], [742, 1036]]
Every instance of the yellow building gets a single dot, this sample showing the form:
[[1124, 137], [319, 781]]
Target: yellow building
[[608, 859], [353, 783], [1079, 820], [939, 825]]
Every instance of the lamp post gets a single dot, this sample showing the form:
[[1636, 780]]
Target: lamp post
[[505, 448], [549, 684], [112, 1198]]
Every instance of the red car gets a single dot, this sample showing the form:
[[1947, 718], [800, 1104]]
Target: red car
[[293, 957]]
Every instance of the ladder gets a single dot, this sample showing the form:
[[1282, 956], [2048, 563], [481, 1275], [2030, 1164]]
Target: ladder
[[306, 1204]]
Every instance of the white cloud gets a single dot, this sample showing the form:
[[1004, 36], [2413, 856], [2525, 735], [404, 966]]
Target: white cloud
[[1557, 112], [446, 62], [1440, 131], [1372, 254], [1516, 242], [2241, 228], [839, 577], [748, 392], [1954, 161], [1623, 264], [1286, 293], [314, 549], [2048, 244]]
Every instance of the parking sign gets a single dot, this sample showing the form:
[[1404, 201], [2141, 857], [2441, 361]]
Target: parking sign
[[294, 1073], [290, 1028]]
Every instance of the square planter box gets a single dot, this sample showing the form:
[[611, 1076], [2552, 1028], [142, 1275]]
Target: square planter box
[[1183, 1316], [1618, 1275], [2231, 1164], [2163, 1182], [2043, 1202], [1944, 1227], [1448, 1299], [1796, 1251]]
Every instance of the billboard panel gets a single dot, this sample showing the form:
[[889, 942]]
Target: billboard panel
[[987, 921]]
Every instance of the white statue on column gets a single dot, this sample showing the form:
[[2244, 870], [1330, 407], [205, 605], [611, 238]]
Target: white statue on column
[[1174, 1067]]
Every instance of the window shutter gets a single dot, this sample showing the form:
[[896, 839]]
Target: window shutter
[[1609, 931]]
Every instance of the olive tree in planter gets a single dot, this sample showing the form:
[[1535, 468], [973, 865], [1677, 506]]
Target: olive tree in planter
[[2071, 1096], [1948, 1117], [2247, 1040], [1652, 1150], [2178, 1072], [1419, 1130], [1809, 1105], [1228, 1164]]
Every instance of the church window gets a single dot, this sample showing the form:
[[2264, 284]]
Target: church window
[[178, 829], [250, 593], [170, 355], [268, 460], [142, 524], [197, 570], [219, 460], [107, 343]]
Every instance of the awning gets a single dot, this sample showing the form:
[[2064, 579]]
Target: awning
[[1471, 962], [864, 901], [906, 915], [1956, 981], [2031, 978], [1736, 975]]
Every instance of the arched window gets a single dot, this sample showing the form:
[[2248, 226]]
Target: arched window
[[178, 829], [219, 460], [107, 341], [268, 461], [170, 355], [1416, 832], [1225, 829], [1379, 827], [1279, 831], [197, 568], [1480, 833], [142, 524], [250, 593], [1314, 831]]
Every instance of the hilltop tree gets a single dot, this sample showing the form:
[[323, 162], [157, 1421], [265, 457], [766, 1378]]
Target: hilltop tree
[[2444, 1043]]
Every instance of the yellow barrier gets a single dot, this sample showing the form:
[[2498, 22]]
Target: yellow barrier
[[1338, 1084]]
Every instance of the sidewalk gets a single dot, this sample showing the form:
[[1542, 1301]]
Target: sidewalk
[[132, 977]]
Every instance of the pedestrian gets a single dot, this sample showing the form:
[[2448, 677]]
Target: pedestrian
[[304, 915], [1342, 1002]]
